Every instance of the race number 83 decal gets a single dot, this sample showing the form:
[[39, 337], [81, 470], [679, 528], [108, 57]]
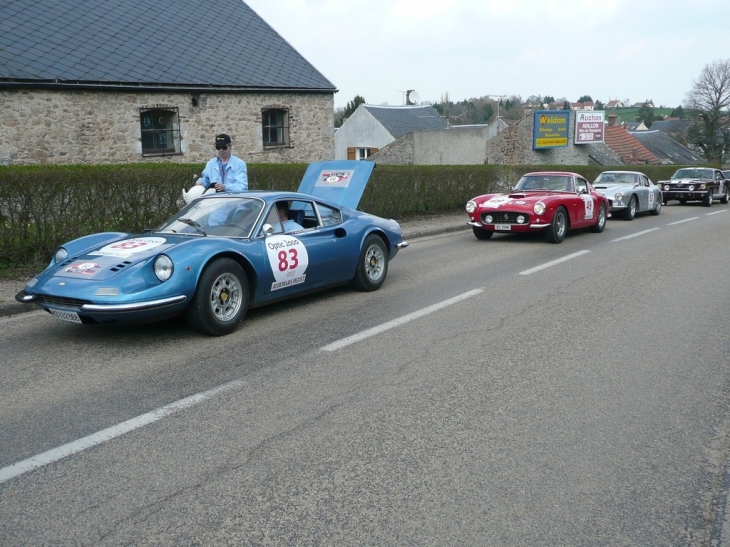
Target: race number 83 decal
[[288, 259]]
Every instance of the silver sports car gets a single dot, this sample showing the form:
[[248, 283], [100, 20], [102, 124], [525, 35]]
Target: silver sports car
[[629, 192]]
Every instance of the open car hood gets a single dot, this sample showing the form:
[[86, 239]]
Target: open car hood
[[340, 181]]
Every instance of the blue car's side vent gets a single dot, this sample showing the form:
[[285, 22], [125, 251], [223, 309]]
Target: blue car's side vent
[[120, 266]]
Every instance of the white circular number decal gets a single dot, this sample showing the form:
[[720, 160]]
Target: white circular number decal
[[288, 259]]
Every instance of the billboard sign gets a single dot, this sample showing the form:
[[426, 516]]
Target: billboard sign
[[550, 129], [589, 126]]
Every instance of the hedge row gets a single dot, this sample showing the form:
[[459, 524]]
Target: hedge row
[[43, 206]]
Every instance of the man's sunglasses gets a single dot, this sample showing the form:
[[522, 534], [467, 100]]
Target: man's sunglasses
[[222, 147]]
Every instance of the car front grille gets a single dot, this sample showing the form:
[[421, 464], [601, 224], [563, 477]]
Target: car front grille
[[61, 301], [506, 217]]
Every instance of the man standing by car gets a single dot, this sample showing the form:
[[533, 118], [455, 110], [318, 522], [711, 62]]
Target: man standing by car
[[225, 172]]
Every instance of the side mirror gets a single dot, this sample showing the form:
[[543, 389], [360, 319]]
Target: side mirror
[[267, 229]]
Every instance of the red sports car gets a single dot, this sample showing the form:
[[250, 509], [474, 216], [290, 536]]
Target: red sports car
[[553, 202]]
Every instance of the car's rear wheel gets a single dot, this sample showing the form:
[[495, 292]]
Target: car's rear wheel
[[221, 298], [555, 233], [600, 224], [724, 199], [707, 200], [630, 211], [481, 233], [658, 209], [372, 266]]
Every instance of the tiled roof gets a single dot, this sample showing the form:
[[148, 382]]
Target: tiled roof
[[399, 120], [625, 145], [666, 148], [165, 43]]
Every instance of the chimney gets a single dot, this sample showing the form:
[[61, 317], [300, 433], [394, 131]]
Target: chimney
[[612, 118]]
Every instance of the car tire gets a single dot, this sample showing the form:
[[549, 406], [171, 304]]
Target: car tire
[[481, 233], [724, 199], [555, 233], [658, 209], [372, 266], [600, 224], [630, 211], [682, 201], [707, 200], [221, 298]]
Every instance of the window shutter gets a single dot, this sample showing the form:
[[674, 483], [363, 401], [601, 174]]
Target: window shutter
[[350, 153], [372, 151]]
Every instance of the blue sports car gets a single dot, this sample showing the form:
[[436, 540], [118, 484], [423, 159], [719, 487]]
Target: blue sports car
[[223, 254]]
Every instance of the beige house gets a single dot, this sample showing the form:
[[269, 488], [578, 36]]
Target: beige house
[[116, 82]]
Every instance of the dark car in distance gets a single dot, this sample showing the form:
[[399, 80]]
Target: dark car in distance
[[704, 184]]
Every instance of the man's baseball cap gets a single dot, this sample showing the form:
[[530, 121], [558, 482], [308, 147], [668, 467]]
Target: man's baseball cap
[[222, 140]]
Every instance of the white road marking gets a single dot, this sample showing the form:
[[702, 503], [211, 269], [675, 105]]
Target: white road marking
[[553, 263], [681, 221], [397, 322], [637, 234], [716, 213], [56, 454]]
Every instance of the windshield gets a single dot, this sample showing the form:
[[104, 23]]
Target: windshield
[[690, 173], [545, 182], [616, 178], [224, 216]]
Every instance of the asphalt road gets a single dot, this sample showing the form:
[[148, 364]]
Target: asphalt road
[[510, 392]]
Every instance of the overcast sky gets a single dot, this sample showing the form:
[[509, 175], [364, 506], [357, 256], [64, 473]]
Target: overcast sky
[[608, 49]]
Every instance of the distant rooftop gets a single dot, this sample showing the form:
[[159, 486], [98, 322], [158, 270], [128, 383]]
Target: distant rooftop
[[399, 120]]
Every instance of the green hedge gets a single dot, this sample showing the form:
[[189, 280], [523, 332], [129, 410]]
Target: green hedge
[[43, 206]]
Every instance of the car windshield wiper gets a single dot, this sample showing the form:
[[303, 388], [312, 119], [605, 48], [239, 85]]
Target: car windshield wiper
[[191, 222]]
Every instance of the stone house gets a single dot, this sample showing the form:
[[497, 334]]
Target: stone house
[[514, 146], [116, 82]]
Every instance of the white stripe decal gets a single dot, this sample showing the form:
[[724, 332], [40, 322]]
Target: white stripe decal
[[397, 322]]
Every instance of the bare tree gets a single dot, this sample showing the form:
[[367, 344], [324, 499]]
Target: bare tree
[[710, 98]]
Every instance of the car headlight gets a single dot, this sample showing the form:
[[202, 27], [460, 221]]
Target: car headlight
[[488, 219], [666, 187], [163, 267], [520, 219], [539, 208], [61, 253], [618, 198], [691, 187], [471, 206], [703, 186]]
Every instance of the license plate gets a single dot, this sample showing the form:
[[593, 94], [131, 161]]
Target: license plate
[[70, 316], [504, 227]]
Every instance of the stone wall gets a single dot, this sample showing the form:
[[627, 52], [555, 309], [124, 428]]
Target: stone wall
[[398, 152], [513, 146], [103, 127]]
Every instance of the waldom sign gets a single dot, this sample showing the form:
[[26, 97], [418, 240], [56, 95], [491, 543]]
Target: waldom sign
[[550, 129]]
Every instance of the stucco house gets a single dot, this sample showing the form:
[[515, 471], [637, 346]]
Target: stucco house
[[455, 145], [116, 82], [371, 127]]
